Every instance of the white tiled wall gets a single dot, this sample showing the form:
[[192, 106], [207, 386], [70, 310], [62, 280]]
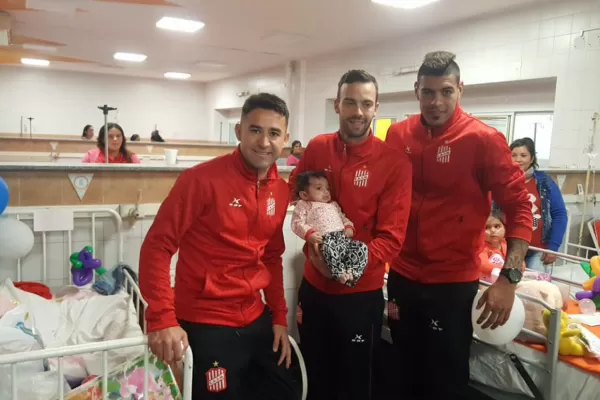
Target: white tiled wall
[[106, 250], [64, 102], [531, 43]]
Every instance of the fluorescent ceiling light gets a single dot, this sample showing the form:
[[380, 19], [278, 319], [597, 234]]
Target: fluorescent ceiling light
[[35, 62], [180, 25], [130, 57], [405, 4], [177, 75]]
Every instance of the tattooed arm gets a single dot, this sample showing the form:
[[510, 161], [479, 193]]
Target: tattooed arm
[[516, 249]]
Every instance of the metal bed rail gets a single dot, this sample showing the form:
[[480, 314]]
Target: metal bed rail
[[93, 213], [550, 364]]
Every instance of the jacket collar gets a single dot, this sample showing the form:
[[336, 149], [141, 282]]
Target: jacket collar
[[250, 173], [440, 130], [359, 149]]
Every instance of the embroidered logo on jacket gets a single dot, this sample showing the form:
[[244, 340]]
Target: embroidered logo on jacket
[[361, 177], [358, 339], [216, 379], [235, 203], [271, 207], [443, 154]]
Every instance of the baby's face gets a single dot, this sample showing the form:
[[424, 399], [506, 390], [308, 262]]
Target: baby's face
[[318, 190], [494, 231]]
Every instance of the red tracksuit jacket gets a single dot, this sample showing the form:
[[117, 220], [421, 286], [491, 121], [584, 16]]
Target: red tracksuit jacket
[[371, 182], [227, 226], [455, 167]]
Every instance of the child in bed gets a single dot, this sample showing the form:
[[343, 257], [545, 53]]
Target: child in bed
[[318, 220], [493, 254]]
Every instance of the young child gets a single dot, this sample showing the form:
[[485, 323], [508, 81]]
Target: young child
[[317, 219], [494, 253]]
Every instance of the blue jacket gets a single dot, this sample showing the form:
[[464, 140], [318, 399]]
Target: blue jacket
[[553, 210]]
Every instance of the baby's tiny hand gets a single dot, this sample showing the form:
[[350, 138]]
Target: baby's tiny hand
[[349, 232], [315, 238]]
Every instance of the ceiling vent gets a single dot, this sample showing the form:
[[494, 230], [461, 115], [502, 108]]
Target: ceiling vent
[[4, 29]]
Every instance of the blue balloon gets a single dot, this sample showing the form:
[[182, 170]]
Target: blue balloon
[[3, 195]]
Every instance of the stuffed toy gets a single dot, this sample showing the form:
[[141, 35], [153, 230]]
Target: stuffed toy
[[546, 291], [571, 342]]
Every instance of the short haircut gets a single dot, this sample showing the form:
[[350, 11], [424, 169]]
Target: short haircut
[[357, 76], [266, 101], [439, 63], [530, 145], [302, 181]]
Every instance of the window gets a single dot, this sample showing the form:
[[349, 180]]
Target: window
[[499, 122], [537, 126]]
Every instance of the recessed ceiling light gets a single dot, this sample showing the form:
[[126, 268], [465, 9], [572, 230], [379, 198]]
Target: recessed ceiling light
[[177, 75], [36, 62], [179, 24], [130, 57], [405, 4]]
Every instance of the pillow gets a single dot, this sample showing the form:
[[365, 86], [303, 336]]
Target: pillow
[[546, 291]]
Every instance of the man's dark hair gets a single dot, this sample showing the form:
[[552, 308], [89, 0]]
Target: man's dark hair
[[266, 101], [357, 76], [303, 180], [439, 63]]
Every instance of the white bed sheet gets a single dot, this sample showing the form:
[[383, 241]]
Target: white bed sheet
[[493, 368], [88, 320]]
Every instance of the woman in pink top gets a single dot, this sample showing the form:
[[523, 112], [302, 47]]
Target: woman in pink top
[[318, 220], [117, 148], [294, 158]]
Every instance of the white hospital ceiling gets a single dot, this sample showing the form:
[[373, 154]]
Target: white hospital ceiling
[[239, 36]]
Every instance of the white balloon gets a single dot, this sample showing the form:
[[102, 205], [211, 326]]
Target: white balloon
[[16, 239], [503, 334]]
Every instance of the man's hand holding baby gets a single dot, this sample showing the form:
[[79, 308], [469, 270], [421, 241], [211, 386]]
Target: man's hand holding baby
[[349, 232], [315, 238]]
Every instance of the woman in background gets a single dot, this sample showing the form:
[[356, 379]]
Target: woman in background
[[117, 148], [547, 206], [294, 158], [88, 132], [155, 137], [135, 138]]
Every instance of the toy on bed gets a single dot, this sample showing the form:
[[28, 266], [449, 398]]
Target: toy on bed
[[542, 290], [571, 342], [126, 382], [83, 265], [591, 287]]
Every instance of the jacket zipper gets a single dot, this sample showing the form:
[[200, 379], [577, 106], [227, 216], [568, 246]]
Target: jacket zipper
[[256, 198], [345, 158], [429, 136]]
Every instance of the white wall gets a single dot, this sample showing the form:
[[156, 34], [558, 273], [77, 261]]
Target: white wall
[[64, 102], [491, 98], [528, 44], [224, 95]]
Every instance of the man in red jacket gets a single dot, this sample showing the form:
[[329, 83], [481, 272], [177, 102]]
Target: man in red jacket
[[372, 184], [457, 161], [225, 218]]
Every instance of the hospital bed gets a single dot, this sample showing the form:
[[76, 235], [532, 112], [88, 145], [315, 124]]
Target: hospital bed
[[138, 305], [522, 371]]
